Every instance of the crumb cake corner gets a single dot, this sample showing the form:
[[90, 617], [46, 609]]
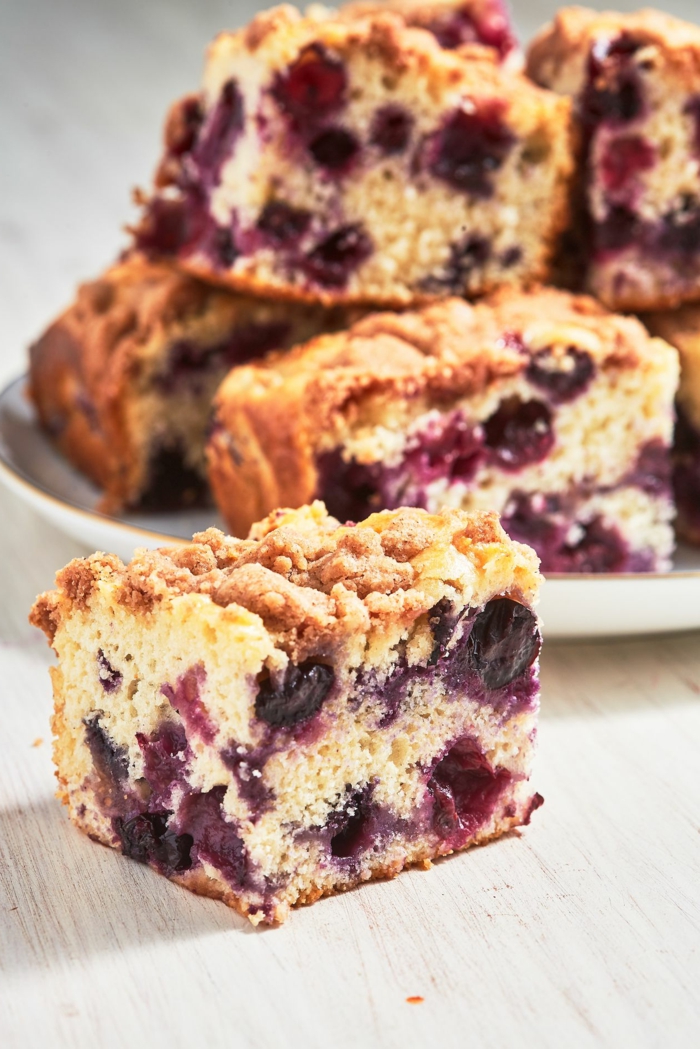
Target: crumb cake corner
[[275, 719]]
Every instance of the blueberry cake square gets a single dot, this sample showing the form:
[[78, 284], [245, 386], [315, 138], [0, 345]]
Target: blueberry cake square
[[357, 160], [276, 719], [453, 23], [123, 381], [540, 405], [635, 81], [681, 328]]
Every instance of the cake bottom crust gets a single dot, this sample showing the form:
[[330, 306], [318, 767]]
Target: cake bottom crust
[[515, 812]]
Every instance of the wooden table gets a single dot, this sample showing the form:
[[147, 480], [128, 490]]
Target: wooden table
[[583, 930]]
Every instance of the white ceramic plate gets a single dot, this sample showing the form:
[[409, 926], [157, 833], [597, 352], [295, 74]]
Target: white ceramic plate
[[571, 606]]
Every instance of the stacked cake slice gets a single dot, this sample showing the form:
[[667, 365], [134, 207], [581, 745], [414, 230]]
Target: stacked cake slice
[[357, 160], [540, 405]]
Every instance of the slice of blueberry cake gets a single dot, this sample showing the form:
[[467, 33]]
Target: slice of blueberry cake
[[635, 79], [453, 23], [539, 405], [357, 160], [682, 329], [123, 381], [275, 719]]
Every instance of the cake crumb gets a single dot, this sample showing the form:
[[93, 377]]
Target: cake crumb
[[415, 999], [38, 741]]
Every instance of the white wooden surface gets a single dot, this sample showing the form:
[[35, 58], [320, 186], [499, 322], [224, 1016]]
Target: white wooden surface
[[583, 931]]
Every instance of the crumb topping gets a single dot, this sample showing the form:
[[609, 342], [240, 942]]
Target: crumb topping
[[307, 577]]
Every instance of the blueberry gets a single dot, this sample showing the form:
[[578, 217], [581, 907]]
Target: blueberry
[[519, 433], [563, 378], [313, 87], [334, 148], [332, 261], [146, 838], [215, 838], [391, 129], [503, 643], [302, 693], [465, 790], [470, 147], [618, 230], [282, 223]]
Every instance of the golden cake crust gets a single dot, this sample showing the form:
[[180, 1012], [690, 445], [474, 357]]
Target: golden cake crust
[[305, 576], [559, 49]]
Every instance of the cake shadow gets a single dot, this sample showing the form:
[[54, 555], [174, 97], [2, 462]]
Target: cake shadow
[[603, 677], [64, 898]]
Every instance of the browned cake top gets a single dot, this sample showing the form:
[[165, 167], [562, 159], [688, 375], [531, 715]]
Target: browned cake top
[[133, 303], [277, 34], [446, 350], [566, 40], [306, 576]]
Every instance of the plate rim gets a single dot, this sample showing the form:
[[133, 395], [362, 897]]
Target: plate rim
[[18, 476]]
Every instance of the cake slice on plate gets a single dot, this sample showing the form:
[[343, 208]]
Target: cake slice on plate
[[357, 160], [635, 80], [123, 381], [275, 719], [538, 404]]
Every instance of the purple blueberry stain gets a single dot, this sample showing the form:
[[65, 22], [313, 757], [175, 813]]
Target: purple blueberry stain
[[519, 434], [652, 470], [624, 159], [297, 697], [448, 448], [219, 133], [471, 147], [332, 262], [185, 698], [166, 755], [248, 765], [565, 544], [110, 678], [110, 759], [215, 838], [564, 377], [391, 129]]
